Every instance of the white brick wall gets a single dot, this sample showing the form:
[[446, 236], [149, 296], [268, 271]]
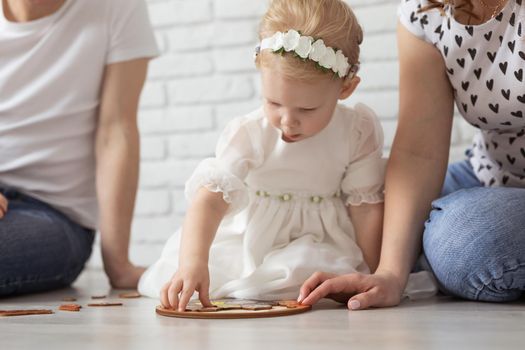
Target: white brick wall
[[206, 76]]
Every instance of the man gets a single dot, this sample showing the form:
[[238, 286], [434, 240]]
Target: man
[[71, 73]]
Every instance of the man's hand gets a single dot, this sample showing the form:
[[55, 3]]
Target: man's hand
[[125, 277], [3, 206]]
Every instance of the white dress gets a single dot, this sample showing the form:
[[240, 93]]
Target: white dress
[[287, 216]]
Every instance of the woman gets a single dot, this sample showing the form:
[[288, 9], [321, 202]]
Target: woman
[[470, 52]]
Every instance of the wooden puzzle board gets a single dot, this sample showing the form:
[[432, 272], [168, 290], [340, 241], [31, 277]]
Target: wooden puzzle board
[[237, 308]]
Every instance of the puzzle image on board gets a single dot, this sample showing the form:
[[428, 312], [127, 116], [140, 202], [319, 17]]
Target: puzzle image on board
[[237, 308]]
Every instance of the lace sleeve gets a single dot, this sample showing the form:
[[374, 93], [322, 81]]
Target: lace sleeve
[[236, 154], [364, 177]]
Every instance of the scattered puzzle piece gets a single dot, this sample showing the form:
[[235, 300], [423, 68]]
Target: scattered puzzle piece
[[104, 304], [69, 299], [98, 297], [70, 307], [129, 295], [5, 313]]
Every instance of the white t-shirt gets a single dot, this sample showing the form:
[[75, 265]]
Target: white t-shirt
[[51, 73], [486, 68]]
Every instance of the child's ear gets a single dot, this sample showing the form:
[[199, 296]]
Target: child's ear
[[349, 86]]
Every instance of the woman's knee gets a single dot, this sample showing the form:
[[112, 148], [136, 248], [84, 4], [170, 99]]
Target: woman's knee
[[474, 243]]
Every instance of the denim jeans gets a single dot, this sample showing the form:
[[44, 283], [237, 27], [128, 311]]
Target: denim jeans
[[474, 239], [40, 248]]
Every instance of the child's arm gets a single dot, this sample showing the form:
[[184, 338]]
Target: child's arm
[[368, 224], [200, 225]]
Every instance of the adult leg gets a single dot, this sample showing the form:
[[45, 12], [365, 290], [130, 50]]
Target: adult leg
[[474, 242], [459, 176], [40, 248]]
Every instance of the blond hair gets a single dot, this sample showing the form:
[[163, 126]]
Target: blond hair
[[333, 21]]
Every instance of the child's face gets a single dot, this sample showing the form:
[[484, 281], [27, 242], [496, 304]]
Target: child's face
[[300, 109]]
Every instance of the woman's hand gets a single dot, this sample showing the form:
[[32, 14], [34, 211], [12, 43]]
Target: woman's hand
[[3, 206], [189, 278], [359, 291], [126, 276]]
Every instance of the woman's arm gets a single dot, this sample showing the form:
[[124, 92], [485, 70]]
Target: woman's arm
[[367, 220], [419, 156], [415, 174]]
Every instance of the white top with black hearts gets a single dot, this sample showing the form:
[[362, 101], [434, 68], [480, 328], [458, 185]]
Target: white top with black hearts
[[485, 65]]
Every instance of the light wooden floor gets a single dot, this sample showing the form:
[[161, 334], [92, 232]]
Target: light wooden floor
[[439, 323]]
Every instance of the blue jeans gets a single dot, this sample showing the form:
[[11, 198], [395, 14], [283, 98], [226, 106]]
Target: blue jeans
[[474, 239], [40, 248]]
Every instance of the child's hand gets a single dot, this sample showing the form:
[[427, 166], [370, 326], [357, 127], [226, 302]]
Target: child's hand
[[360, 291], [187, 280], [3, 206]]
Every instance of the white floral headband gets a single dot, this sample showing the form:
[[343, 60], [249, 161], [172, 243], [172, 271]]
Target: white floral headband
[[307, 47]]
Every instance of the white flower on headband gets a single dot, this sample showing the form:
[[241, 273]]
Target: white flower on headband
[[341, 63], [318, 51], [306, 48], [276, 41], [328, 60], [291, 40]]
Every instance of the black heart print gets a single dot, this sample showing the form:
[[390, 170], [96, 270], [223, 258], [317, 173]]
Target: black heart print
[[492, 56], [511, 45], [490, 84], [477, 73], [517, 114], [519, 74], [494, 108], [473, 99], [461, 62], [472, 53], [506, 94], [503, 67], [459, 40], [423, 21], [413, 17]]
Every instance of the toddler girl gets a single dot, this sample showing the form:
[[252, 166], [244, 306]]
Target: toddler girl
[[271, 208]]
